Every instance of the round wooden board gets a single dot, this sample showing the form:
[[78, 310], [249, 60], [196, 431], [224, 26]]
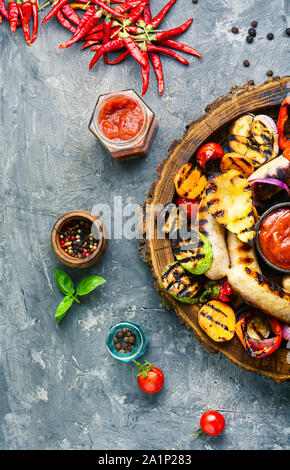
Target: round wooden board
[[212, 127]]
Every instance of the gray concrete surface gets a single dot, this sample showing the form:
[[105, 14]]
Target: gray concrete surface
[[59, 388]]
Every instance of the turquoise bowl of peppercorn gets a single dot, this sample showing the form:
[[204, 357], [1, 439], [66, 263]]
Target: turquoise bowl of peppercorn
[[79, 239], [126, 341]]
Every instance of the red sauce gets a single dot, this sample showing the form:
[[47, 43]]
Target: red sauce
[[274, 238], [121, 119]]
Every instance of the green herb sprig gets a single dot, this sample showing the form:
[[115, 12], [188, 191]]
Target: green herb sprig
[[66, 286]]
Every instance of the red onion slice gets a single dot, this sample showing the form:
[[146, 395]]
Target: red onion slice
[[286, 331], [271, 181]]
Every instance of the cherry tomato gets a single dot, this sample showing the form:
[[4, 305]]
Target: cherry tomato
[[150, 379], [212, 423], [209, 157], [189, 206]]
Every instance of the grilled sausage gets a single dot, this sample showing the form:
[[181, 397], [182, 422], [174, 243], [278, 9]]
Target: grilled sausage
[[215, 232], [258, 291], [286, 282], [241, 254]]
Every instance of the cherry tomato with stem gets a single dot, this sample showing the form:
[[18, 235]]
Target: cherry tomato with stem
[[209, 157], [211, 423], [149, 378], [190, 207]]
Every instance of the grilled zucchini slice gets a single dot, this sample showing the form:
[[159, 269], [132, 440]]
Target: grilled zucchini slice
[[230, 201], [194, 254], [179, 283], [189, 181], [218, 320]]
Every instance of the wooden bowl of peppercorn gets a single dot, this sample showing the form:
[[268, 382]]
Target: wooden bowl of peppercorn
[[79, 239]]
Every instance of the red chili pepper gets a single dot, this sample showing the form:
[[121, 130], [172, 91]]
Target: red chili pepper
[[65, 23], [34, 7], [137, 12], [161, 15], [69, 12], [25, 26], [128, 5], [13, 13], [107, 28], [96, 29], [89, 19], [164, 35], [3, 10], [56, 7], [264, 346], [106, 7], [284, 143], [119, 59], [27, 10], [163, 50], [1, 18], [145, 72], [114, 45], [135, 52], [180, 47], [93, 37], [90, 43]]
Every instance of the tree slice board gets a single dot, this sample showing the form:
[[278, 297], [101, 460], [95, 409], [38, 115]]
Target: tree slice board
[[211, 127]]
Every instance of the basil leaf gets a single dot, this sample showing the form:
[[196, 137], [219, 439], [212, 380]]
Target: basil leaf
[[64, 282], [63, 307], [88, 284]]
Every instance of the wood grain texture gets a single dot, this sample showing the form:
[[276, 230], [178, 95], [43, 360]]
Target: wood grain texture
[[213, 126]]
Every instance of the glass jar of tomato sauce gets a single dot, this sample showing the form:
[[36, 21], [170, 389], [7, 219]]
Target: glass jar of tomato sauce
[[124, 124]]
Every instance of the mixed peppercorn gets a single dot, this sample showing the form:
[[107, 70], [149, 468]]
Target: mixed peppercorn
[[77, 240], [124, 341]]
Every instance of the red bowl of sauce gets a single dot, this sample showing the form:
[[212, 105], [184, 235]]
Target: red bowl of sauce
[[273, 237]]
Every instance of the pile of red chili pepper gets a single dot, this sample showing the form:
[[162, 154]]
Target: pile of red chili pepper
[[128, 27], [18, 13]]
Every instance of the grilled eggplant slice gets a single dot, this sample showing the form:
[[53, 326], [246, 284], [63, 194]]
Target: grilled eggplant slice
[[254, 137], [194, 254], [179, 283], [230, 201], [218, 320], [235, 161], [171, 220], [189, 181]]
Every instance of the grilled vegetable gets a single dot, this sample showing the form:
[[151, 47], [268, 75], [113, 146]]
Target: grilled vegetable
[[235, 161], [190, 207], [255, 138], [278, 169], [218, 320], [286, 282], [179, 283], [171, 220], [209, 157], [194, 254], [259, 335], [189, 181], [230, 202]]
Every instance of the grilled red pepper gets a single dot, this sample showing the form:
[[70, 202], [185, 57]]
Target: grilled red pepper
[[254, 339], [3, 10], [13, 13], [218, 290], [34, 8], [284, 112]]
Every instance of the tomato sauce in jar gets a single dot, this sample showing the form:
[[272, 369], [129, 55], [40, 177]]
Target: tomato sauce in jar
[[274, 238], [121, 119]]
